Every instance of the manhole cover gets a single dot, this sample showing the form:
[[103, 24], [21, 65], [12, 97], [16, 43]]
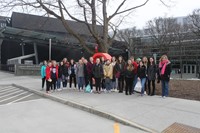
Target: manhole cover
[[181, 128]]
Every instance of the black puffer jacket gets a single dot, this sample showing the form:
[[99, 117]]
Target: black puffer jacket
[[97, 71]]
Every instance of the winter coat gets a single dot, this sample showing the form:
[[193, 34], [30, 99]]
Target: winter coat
[[108, 71], [166, 75], [151, 72], [98, 71], [43, 71], [141, 72], [120, 67], [129, 73]]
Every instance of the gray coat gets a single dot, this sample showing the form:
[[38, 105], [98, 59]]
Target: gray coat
[[151, 72]]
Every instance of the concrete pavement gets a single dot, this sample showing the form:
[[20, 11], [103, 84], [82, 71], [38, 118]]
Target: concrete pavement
[[153, 113]]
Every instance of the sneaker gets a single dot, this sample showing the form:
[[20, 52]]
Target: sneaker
[[91, 91], [145, 92]]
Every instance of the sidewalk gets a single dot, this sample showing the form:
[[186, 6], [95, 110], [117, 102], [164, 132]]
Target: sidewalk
[[152, 112]]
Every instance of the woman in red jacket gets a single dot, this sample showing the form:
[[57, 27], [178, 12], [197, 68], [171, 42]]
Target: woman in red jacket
[[54, 74], [48, 76]]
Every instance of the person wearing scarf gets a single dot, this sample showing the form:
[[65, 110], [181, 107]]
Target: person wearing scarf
[[164, 74]]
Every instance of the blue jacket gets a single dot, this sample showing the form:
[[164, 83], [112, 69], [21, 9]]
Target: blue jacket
[[43, 71]]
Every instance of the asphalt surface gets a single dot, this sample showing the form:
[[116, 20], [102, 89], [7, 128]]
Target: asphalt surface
[[25, 112]]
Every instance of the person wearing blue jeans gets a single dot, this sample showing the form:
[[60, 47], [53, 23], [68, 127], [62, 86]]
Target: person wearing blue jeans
[[165, 88], [80, 75], [164, 74], [141, 73]]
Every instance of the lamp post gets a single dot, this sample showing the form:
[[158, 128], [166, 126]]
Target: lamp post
[[155, 57], [50, 49]]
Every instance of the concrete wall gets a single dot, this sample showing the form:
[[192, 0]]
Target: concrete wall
[[22, 69]]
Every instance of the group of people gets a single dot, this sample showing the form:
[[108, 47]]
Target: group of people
[[107, 75]]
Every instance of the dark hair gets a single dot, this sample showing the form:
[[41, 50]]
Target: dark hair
[[149, 63]]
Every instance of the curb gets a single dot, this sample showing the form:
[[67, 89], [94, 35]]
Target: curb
[[89, 109]]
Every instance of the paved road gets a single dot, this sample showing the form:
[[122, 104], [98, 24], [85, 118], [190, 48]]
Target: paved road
[[10, 94], [25, 112]]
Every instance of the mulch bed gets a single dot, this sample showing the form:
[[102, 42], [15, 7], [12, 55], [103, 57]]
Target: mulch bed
[[186, 89]]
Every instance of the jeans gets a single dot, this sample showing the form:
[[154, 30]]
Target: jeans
[[143, 81], [64, 79], [59, 83], [108, 84], [165, 88], [80, 82]]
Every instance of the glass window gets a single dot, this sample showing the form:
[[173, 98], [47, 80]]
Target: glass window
[[188, 69]]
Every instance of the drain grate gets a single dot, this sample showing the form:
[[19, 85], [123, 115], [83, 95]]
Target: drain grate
[[181, 128]]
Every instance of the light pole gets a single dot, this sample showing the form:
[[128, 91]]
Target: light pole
[[50, 49]]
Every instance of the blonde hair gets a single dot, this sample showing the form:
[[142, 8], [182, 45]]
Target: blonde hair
[[163, 57]]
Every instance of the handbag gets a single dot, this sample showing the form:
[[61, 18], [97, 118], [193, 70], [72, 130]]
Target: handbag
[[138, 86], [88, 88]]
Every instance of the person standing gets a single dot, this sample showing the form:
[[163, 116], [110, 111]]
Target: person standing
[[80, 75], [98, 75], [102, 60], [89, 66], [151, 76], [54, 74], [129, 77], [86, 77], [164, 74], [115, 79], [43, 73], [135, 65], [65, 72], [145, 62], [108, 75], [48, 77], [120, 73], [60, 73], [141, 73], [72, 73]]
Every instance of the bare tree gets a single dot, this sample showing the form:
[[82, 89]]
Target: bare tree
[[92, 14], [161, 31], [128, 36], [194, 21]]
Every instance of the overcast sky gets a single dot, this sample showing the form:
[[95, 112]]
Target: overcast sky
[[155, 8]]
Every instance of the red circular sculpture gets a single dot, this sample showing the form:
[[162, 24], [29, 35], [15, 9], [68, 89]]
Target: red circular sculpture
[[99, 55]]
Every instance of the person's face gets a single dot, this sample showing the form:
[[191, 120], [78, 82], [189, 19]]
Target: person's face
[[54, 63], [80, 62], [129, 62], [45, 63], [61, 63], [120, 58], [102, 59], [49, 64], [97, 61], [144, 59], [151, 60], [85, 61], [141, 63], [65, 60], [108, 62], [113, 59], [72, 61], [91, 59]]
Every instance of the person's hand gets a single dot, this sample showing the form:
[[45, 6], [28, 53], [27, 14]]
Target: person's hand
[[138, 78]]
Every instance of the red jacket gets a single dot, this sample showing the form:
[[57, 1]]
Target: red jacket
[[135, 67], [48, 72]]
